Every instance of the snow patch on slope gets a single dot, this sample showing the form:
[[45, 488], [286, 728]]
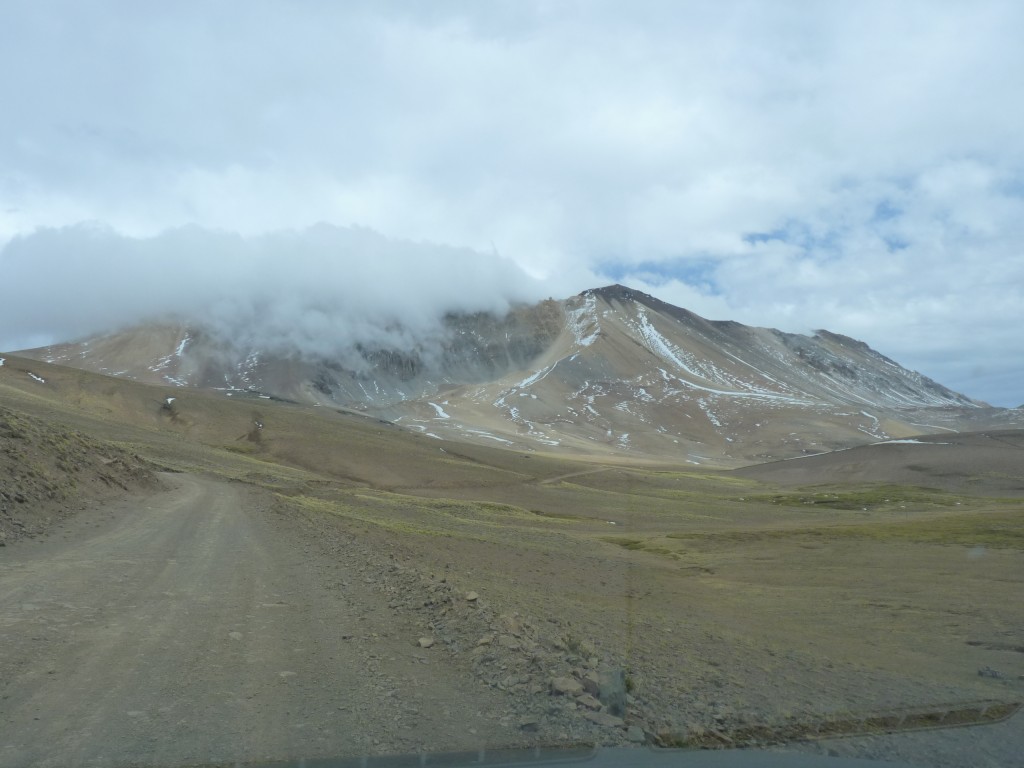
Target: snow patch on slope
[[874, 429], [439, 410], [682, 360], [180, 350], [583, 322]]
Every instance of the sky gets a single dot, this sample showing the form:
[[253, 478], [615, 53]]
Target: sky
[[355, 169]]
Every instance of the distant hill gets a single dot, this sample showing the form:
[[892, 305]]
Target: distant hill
[[609, 371], [984, 463]]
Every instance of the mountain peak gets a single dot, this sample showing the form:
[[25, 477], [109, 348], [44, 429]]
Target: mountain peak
[[611, 370], [624, 294]]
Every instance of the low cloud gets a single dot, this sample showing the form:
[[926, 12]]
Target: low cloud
[[321, 290], [856, 166], [927, 270]]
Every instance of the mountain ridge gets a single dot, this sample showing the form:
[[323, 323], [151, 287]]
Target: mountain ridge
[[610, 370]]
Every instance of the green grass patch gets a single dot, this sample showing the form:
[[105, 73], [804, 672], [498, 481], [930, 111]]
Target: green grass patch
[[363, 509], [641, 545], [1001, 529], [866, 498], [487, 522], [998, 530], [631, 544], [246, 449], [565, 516]]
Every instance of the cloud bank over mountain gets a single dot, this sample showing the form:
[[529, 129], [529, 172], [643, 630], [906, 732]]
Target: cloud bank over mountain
[[320, 290], [857, 166]]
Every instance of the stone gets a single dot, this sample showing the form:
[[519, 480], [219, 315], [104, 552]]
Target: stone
[[485, 640], [588, 701], [426, 642], [613, 691], [529, 724], [591, 683], [635, 734], [507, 641], [472, 597], [511, 624], [604, 719], [565, 686]]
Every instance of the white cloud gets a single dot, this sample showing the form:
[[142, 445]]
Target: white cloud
[[320, 290], [880, 143]]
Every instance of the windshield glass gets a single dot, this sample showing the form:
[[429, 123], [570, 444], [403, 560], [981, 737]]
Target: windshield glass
[[401, 379]]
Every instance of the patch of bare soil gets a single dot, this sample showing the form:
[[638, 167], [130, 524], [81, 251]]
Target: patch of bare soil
[[48, 472]]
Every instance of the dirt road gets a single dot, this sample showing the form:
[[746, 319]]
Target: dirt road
[[194, 625]]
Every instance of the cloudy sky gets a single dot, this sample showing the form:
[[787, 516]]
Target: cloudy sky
[[851, 166]]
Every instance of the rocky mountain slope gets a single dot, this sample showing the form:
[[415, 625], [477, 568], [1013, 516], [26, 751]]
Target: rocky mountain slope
[[611, 370]]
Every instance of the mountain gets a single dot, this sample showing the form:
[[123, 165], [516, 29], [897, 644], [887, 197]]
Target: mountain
[[611, 370]]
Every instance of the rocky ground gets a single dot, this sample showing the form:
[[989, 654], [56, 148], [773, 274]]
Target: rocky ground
[[558, 687], [48, 472], [563, 685]]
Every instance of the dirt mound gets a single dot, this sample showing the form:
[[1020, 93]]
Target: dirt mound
[[50, 472]]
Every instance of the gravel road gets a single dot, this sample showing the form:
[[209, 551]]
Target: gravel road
[[194, 625]]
